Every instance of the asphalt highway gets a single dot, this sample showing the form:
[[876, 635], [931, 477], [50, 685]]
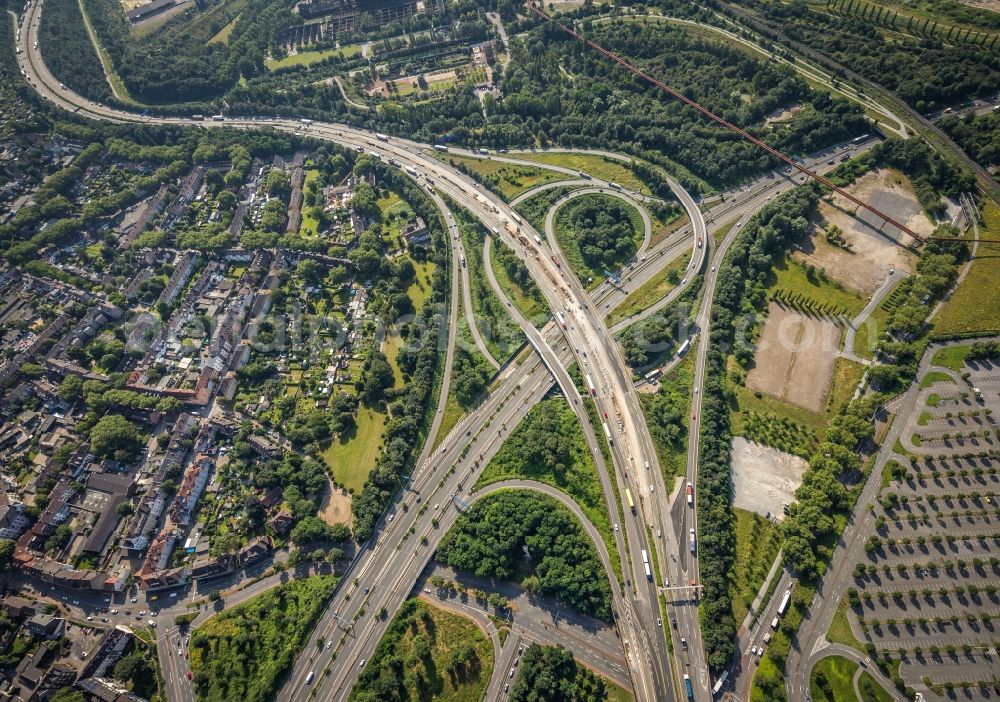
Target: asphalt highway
[[385, 569]]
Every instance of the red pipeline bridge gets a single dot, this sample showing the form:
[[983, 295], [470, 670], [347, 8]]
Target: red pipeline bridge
[[728, 125]]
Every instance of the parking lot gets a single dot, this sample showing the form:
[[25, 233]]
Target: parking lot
[[927, 592]]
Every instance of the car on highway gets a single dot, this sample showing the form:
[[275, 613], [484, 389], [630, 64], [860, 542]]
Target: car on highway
[[362, 663], [659, 622], [616, 527]]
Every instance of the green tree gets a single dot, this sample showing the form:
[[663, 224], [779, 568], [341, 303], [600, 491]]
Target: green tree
[[113, 436]]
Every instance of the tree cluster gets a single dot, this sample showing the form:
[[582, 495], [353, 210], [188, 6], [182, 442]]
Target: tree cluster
[[978, 135], [739, 290], [603, 229], [113, 436], [551, 674], [419, 361], [925, 73], [244, 653], [490, 538]]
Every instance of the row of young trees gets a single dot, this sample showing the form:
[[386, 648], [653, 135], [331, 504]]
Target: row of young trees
[[742, 278]]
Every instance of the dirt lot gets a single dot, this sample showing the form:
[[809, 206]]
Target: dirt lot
[[984, 4], [795, 358], [783, 114], [873, 253], [336, 508], [764, 479]]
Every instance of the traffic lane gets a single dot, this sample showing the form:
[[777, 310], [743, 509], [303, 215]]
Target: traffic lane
[[446, 520]]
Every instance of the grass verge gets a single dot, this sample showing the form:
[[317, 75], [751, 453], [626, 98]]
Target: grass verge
[[758, 541], [832, 680], [429, 654], [974, 307]]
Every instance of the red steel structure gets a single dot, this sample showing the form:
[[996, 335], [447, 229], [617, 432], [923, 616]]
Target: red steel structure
[[728, 125]]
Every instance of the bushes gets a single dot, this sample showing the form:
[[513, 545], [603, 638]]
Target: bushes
[[741, 282], [426, 653], [68, 51], [241, 654], [408, 411], [551, 673], [490, 538]]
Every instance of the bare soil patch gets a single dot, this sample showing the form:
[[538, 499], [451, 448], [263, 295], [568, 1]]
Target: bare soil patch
[[336, 507], [795, 358], [783, 114], [993, 5], [764, 479], [874, 247]]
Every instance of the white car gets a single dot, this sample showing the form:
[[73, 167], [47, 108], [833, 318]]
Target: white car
[[616, 527]]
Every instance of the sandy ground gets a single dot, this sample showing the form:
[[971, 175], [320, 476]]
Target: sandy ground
[[795, 358], [336, 507], [874, 253], [784, 114], [132, 4], [764, 479], [993, 5]]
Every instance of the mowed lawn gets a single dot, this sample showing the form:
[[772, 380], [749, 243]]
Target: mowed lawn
[[593, 165], [510, 179], [352, 456], [793, 279], [757, 544], [974, 308], [833, 680], [304, 58], [421, 287]]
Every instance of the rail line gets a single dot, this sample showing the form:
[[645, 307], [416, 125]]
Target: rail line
[[886, 219]]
